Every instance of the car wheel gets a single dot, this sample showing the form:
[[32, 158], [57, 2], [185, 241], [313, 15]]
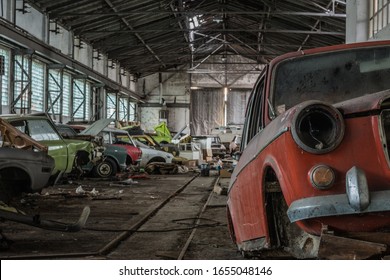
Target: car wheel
[[13, 182], [105, 169]]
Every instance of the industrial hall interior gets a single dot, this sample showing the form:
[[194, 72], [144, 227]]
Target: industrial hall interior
[[195, 129]]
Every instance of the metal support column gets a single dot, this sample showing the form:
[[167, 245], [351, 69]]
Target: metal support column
[[97, 102], [2, 72], [79, 94], [21, 96], [114, 100], [123, 108], [54, 96]]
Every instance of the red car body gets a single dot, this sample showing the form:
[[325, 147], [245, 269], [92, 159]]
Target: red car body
[[315, 150], [121, 138], [115, 137]]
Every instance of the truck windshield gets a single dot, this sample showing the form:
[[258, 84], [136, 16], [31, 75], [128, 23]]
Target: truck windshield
[[331, 77]]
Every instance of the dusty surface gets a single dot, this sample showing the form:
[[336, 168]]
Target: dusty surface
[[115, 228]]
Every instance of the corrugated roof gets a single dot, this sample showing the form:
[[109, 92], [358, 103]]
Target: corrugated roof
[[149, 36]]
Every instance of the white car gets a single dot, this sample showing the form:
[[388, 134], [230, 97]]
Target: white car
[[150, 155], [227, 133]]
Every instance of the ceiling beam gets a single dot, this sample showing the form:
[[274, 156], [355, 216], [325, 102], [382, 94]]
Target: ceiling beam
[[10, 33], [146, 30], [109, 3], [200, 12]]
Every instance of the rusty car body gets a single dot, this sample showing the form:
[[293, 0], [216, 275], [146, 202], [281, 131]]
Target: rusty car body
[[115, 137], [315, 154], [114, 159], [25, 165], [69, 155]]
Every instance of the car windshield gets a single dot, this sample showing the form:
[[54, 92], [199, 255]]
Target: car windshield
[[144, 141], [39, 130], [141, 145], [123, 138], [331, 77]]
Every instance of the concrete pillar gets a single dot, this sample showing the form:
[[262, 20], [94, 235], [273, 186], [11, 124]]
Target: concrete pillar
[[357, 23]]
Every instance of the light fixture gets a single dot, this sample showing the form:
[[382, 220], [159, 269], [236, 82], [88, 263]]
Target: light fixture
[[217, 19]]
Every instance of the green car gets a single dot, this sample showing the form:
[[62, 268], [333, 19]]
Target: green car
[[69, 155], [114, 157]]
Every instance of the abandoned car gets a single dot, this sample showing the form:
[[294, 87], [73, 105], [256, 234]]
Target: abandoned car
[[25, 165], [315, 151], [114, 159], [69, 155], [212, 142], [150, 155], [151, 143], [227, 133], [115, 137]]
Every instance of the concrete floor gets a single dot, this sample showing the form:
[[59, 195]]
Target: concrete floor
[[114, 230]]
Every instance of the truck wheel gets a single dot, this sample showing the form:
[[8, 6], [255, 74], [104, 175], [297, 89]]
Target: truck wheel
[[105, 169]]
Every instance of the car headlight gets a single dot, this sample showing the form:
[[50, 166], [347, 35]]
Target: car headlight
[[317, 127], [322, 177]]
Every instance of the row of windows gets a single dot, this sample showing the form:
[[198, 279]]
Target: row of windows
[[5, 78], [66, 96], [379, 15]]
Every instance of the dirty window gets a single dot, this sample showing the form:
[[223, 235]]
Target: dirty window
[[66, 131], [124, 139], [331, 77], [41, 130]]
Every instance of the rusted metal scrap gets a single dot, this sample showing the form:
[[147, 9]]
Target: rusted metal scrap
[[14, 138], [161, 168]]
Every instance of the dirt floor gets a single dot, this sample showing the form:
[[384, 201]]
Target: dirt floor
[[149, 217]]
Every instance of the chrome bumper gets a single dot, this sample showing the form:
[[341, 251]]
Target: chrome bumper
[[356, 200]]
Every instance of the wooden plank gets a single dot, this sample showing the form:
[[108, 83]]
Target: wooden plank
[[376, 237], [341, 248]]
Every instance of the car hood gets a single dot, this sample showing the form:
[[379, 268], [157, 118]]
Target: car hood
[[353, 107], [97, 127], [364, 103]]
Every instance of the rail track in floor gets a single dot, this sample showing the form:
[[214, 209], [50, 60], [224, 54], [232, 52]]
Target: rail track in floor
[[165, 217]]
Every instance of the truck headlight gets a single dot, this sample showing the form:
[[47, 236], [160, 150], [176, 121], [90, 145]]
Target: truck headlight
[[317, 127]]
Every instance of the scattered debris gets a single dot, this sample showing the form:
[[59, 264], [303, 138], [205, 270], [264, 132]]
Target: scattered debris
[[181, 169], [161, 168], [352, 246], [123, 183], [80, 190]]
